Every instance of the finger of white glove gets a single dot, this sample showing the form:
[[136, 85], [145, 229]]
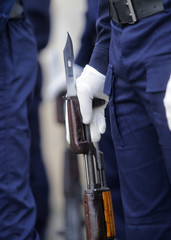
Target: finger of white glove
[[101, 123], [85, 102], [99, 118], [94, 132], [169, 123], [98, 124], [167, 103]]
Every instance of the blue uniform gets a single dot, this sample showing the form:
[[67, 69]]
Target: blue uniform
[[105, 144], [89, 34], [39, 14], [18, 68], [137, 59]]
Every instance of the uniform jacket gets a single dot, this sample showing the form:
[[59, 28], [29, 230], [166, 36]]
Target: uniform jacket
[[39, 16], [89, 34], [134, 49]]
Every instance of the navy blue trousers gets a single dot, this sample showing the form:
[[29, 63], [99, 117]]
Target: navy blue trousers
[[38, 176], [142, 143], [18, 67]]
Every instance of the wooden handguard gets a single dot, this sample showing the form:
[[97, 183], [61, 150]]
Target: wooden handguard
[[77, 140], [109, 217]]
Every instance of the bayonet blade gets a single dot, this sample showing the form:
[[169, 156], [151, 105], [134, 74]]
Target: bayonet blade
[[69, 62]]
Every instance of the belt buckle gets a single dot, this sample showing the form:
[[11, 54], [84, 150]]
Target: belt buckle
[[132, 12]]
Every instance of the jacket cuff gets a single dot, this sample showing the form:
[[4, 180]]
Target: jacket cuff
[[99, 59]]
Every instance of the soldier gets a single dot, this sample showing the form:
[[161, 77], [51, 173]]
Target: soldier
[[39, 14], [131, 63], [18, 68]]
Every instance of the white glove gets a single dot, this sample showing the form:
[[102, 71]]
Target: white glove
[[167, 103], [58, 84], [90, 85]]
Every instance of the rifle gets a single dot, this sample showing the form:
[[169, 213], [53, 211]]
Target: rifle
[[99, 218], [73, 219]]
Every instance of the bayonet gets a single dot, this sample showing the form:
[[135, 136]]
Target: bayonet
[[76, 131], [69, 63]]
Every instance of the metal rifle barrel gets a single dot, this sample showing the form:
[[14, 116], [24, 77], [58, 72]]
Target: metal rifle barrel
[[90, 160], [100, 168]]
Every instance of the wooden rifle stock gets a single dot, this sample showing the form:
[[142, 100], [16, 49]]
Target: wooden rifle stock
[[99, 218], [77, 141]]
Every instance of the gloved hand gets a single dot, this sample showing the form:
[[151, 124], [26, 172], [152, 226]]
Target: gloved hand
[[89, 85], [167, 103]]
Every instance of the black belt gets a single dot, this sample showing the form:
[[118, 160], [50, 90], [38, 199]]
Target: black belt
[[17, 10], [130, 11]]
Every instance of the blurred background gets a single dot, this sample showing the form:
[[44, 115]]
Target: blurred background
[[66, 16]]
